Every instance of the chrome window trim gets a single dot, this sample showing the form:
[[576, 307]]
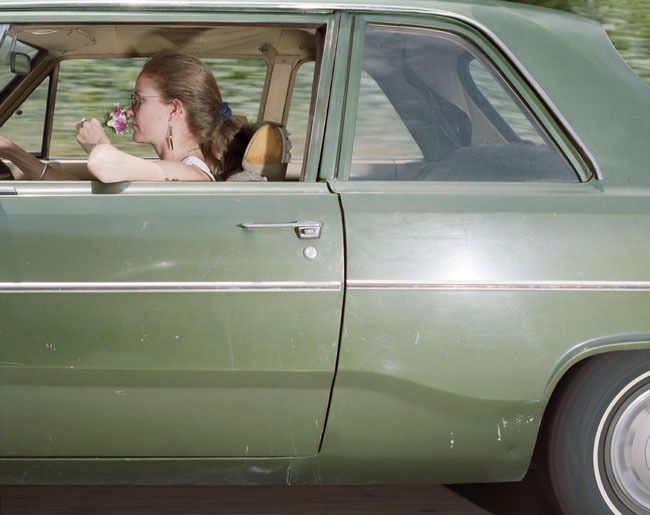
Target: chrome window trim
[[501, 286], [170, 287]]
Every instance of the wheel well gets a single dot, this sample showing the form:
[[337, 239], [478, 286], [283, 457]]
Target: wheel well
[[567, 378], [547, 417]]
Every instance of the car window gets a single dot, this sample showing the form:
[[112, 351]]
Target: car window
[[91, 87], [489, 92], [432, 108], [25, 126], [375, 111]]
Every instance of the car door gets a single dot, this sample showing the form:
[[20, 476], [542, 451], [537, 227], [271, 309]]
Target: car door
[[168, 319], [146, 321], [474, 251]]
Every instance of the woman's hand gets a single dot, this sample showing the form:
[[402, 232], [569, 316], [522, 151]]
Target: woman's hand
[[90, 133], [33, 168]]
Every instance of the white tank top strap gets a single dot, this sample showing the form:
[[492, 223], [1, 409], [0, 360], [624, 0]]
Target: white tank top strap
[[199, 163]]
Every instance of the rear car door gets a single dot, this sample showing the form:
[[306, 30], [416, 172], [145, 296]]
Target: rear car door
[[474, 251]]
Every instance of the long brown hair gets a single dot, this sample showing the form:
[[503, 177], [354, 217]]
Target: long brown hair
[[222, 139]]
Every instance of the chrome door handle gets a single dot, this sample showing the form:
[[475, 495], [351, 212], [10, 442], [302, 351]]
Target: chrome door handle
[[305, 229]]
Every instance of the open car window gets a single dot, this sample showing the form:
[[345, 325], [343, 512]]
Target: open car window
[[265, 73], [94, 86], [432, 108]]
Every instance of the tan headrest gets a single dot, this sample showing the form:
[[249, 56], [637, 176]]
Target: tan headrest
[[268, 151]]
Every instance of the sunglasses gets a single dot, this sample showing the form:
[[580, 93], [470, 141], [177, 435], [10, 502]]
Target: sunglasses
[[136, 100]]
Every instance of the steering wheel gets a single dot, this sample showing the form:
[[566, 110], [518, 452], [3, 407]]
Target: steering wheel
[[5, 172]]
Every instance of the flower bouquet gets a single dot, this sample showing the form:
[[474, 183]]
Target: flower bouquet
[[117, 120]]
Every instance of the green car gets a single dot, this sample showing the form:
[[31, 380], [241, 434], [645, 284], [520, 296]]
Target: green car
[[448, 282]]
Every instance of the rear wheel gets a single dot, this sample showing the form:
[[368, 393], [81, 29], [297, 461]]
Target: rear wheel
[[597, 457]]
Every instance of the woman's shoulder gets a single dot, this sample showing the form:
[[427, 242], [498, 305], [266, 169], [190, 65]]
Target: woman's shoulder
[[200, 164]]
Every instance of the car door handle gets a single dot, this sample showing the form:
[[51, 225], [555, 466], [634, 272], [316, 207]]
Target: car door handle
[[305, 229]]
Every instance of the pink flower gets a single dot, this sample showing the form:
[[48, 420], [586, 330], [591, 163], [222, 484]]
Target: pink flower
[[117, 120]]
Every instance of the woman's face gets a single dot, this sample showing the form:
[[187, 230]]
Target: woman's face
[[149, 114]]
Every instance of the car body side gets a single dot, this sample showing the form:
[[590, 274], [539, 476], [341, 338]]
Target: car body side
[[455, 331]]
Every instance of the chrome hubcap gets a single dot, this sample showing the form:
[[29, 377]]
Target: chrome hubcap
[[628, 441]]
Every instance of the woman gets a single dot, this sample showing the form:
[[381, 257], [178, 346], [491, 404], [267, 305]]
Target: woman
[[177, 108]]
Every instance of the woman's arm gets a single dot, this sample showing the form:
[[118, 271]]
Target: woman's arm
[[108, 164], [32, 167]]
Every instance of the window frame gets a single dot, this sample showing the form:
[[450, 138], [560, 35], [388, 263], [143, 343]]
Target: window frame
[[549, 122], [325, 23]]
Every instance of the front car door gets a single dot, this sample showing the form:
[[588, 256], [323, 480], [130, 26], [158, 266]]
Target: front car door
[[175, 319]]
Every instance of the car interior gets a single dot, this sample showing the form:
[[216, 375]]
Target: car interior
[[461, 134]]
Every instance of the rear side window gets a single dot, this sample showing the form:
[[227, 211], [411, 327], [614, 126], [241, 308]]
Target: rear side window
[[432, 108]]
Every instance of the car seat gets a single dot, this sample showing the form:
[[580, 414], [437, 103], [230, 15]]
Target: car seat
[[267, 155]]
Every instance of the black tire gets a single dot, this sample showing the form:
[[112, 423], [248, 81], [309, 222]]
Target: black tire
[[597, 453]]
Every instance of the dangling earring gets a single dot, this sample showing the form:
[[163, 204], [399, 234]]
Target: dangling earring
[[170, 138]]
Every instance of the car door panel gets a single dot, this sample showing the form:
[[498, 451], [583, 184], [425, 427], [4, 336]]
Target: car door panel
[[468, 292], [463, 303], [150, 323]]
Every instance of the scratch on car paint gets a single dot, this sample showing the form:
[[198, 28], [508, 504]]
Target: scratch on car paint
[[50, 346], [288, 478], [11, 363], [216, 262], [120, 392], [230, 349], [417, 338], [498, 433], [293, 442], [525, 419], [452, 442], [232, 354]]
